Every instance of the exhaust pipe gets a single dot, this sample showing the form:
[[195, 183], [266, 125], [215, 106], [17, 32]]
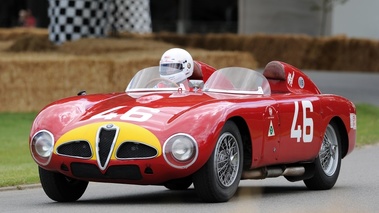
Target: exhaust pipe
[[266, 172]]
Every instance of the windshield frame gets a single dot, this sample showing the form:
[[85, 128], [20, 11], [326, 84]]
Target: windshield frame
[[229, 80], [141, 79], [238, 80]]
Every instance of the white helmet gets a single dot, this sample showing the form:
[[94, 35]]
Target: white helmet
[[176, 65]]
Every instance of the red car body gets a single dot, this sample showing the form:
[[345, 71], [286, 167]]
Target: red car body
[[282, 128]]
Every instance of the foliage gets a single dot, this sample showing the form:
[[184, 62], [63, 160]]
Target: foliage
[[326, 7]]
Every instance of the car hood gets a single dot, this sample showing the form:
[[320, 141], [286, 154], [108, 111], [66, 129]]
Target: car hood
[[155, 112]]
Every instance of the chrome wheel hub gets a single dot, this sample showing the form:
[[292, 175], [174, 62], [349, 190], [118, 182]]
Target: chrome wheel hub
[[227, 159], [329, 152]]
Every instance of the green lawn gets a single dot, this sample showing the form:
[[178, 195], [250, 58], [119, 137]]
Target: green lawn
[[17, 166], [367, 124]]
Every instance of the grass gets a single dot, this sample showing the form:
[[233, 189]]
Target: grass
[[367, 124], [17, 166]]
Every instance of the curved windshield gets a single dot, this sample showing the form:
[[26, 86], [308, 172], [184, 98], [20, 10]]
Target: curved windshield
[[237, 80], [149, 79]]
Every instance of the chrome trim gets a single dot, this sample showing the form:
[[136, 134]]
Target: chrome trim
[[153, 89], [238, 92], [31, 147], [107, 127], [186, 165]]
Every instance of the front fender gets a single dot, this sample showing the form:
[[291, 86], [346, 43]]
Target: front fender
[[204, 123]]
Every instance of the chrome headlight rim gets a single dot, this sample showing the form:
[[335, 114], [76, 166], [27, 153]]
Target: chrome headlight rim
[[38, 157], [172, 159]]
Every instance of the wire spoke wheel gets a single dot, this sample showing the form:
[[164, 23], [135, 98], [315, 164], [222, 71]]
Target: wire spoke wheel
[[227, 159], [328, 163], [218, 179], [329, 152]]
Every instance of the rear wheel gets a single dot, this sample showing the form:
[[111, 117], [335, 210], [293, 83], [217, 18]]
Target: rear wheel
[[218, 179], [60, 188], [328, 163]]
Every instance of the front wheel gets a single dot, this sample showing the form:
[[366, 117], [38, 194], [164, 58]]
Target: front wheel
[[328, 163], [61, 188], [179, 184], [218, 179]]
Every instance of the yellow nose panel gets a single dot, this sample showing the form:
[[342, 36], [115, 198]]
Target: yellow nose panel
[[127, 132]]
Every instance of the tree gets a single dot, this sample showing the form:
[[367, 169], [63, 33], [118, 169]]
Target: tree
[[326, 7]]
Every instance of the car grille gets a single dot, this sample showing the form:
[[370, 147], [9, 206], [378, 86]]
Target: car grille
[[104, 147], [124, 172], [105, 144], [80, 149], [134, 150]]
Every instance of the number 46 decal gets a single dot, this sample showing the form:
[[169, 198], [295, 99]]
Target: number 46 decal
[[305, 130], [137, 113]]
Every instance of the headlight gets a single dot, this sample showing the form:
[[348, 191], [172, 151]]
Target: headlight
[[41, 146], [180, 151]]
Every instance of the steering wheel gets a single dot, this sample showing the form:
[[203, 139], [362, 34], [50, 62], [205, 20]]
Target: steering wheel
[[166, 82]]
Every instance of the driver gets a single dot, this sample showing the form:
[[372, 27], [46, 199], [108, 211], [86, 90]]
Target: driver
[[177, 65]]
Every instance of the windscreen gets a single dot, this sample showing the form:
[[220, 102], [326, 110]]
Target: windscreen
[[149, 79], [237, 80]]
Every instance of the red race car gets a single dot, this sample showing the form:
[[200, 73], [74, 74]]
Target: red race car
[[240, 124]]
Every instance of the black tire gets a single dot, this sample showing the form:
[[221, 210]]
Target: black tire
[[328, 163], [179, 184], [213, 186], [61, 188]]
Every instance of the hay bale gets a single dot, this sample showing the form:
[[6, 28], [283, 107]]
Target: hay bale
[[305, 52], [95, 46], [32, 43], [31, 80], [342, 53], [37, 75], [28, 85], [14, 33]]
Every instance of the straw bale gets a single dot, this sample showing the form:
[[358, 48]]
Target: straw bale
[[97, 46], [29, 80], [32, 43], [14, 33], [36, 76], [342, 53], [30, 85], [306, 52]]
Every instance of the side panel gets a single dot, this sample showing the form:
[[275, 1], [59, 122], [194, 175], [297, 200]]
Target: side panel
[[301, 128], [271, 135], [291, 130], [258, 114]]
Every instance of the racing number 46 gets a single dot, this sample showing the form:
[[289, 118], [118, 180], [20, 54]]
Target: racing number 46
[[137, 113], [304, 131]]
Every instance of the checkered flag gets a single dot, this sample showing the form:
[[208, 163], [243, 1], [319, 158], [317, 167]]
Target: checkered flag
[[130, 16], [74, 19]]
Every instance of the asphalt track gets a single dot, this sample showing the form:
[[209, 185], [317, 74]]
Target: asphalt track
[[356, 189]]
